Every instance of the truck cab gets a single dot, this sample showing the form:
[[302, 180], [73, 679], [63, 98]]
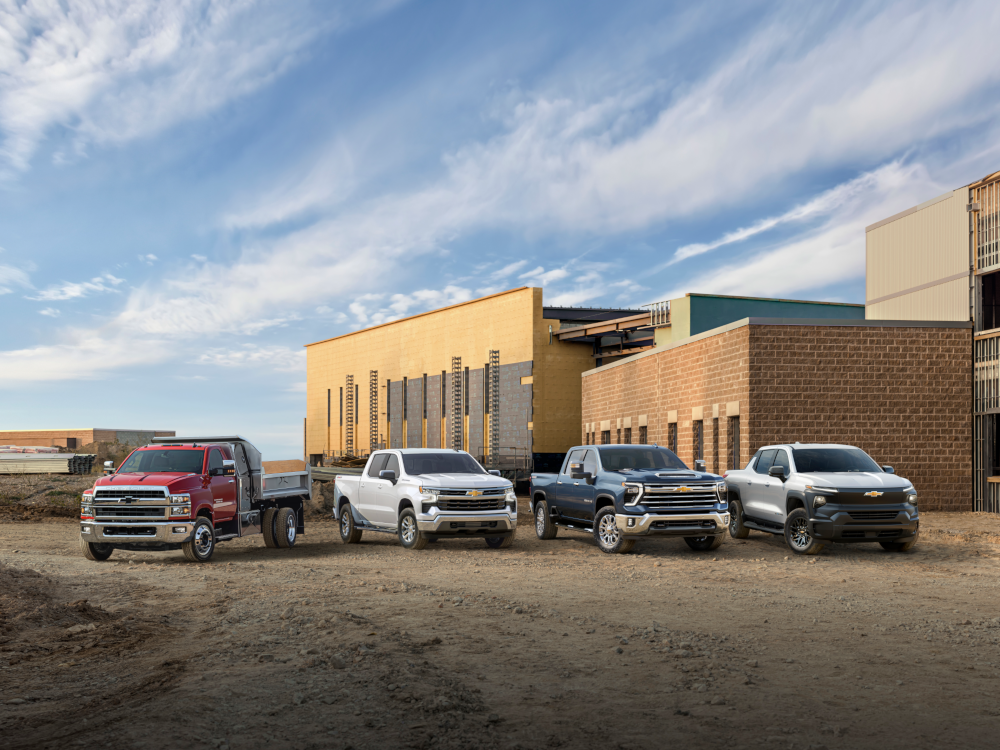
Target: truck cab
[[621, 492]]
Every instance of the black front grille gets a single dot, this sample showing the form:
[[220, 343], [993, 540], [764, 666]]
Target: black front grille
[[127, 512], [683, 524], [129, 531], [889, 533], [874, 515], [853, 535], [470, 503], [687, 505], [113, 494]]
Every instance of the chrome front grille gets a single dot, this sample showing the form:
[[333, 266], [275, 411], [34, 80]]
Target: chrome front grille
[[108, 493], [679, 498], [471, 503]]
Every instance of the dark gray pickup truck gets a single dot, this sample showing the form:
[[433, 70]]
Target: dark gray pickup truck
[[621, 492]]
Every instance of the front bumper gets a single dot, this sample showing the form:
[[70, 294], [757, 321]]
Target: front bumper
[[472, 524], [839, 527], [692, 524], [159, 532]]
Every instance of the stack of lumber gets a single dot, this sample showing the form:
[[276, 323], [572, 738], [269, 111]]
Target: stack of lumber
[[28, 449], [46, 463]]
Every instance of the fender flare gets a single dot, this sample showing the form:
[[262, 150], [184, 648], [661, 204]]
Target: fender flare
[[531, 501], [795, 495], [604, 496]]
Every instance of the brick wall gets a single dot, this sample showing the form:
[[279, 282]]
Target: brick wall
[[903, 395]]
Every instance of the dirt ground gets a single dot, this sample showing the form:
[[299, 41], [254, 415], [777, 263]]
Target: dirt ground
[[545, 645]]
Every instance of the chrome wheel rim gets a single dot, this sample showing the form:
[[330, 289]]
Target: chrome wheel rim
[[345, 523], [290, 530], [798, 534], [408, 530], [540, 521], [203, 540], [607, 531]]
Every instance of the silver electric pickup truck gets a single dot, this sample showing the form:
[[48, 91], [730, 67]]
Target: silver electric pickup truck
[[814, 494], [425, 494]]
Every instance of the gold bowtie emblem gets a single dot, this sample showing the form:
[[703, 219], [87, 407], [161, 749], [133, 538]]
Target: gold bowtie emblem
[[873, 493], [684, 489], [475, 493]]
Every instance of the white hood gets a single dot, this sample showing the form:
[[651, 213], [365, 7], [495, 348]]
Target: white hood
[[462, 481], [855, 480]]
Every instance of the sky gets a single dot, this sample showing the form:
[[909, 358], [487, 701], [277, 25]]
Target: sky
[[191, 190]]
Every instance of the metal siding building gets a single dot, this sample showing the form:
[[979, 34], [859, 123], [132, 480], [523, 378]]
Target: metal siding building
[[941, 261]]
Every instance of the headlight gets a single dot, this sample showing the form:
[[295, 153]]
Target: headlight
[[87, 511], [819, 501], [428, 491], [180, 498], [827, 490], [632, 492], [180, 510], [911, 498], [722, 492]]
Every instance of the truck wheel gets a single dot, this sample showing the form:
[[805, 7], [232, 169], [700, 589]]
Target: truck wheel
[[736, 528], [544, 528], [901, 546], [284, 528], [96, 552], [349, 531], [202, 543], [797, 535], [501, 542], [704, 543], [267, 527], [609, 538], [409, 533]]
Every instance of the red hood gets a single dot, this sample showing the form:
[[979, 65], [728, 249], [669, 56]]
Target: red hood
[[173, 480]]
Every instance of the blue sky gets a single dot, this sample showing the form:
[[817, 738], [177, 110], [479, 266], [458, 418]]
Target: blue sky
[[190, 190]]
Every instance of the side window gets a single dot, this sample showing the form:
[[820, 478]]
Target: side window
[[214, 460], [781, 459], [377, 464], [765, 461], [590, 462], [576, 457], [392, 464], [753, 460]]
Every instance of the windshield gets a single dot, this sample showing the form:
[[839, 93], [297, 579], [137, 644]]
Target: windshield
[[617, 459], [416, 464], [169, 461], [833, 459]]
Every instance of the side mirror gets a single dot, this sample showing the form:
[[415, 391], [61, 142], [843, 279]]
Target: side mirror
[[699, 465], [387, 474], [888, 470], [109, 467], [587, 477], [228, 468], [777, 471], [495, 472], [576, 471]]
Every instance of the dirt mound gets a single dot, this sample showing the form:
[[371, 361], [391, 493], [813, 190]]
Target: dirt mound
[[29, 601]]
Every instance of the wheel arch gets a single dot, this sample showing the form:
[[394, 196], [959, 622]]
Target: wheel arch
[[404, 503], [536, 496], [602, 501], [793, 500]]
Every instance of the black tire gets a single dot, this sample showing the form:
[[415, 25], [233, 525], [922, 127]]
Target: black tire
[[285, 524], [544, 528], [410, 535], [609, 539], [797, 535], [96, 552], [736, 528], [704, 543], [901, 546], [349, 531], [267, 528], [201, 546], [501, 542]]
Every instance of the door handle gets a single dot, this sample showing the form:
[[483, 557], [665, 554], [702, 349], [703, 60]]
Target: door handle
[[749, 482], [558, 482], [576, 484], [232, 481]]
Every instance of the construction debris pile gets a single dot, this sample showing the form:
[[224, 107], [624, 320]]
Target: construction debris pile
[[43, 460]]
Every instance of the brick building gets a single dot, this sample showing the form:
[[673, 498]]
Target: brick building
[[899, 390], [77, 438]]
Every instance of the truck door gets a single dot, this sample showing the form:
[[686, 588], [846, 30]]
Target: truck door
[[578, 495], [386, 496], [563, 499], [754, 502], [223, 488], [773, 493], [368, 487]]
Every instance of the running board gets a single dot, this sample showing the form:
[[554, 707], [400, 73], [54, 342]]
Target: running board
[[226, 537], [574, 528], [762, 526], [366, 527]]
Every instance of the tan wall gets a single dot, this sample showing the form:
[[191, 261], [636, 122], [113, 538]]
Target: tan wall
[[510, 322], [915, 249], [46, 437]]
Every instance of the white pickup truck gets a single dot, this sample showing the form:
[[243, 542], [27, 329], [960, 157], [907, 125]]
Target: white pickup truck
[[425, 494]]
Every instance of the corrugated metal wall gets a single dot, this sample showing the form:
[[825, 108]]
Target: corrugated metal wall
[[920, 250]]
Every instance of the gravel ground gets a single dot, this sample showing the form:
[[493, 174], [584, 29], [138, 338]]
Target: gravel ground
[[547, 644]]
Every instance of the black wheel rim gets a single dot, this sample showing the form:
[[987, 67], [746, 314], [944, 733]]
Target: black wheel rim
[[798, 534]]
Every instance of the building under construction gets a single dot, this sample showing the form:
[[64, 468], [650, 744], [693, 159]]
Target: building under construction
[[941, 261], [497, 376]]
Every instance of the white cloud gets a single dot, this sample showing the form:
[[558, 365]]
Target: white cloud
[[400, 305], [114, 70], [280, 358], [540, 276], [508, 270], [11, 277], [199, 258], [72, 290], [50, 312], [149, 259]]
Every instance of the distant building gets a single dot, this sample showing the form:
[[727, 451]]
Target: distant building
[[77, 438], [491, 376]]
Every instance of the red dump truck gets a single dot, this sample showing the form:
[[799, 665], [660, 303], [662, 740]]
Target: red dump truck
[[189, 494]]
